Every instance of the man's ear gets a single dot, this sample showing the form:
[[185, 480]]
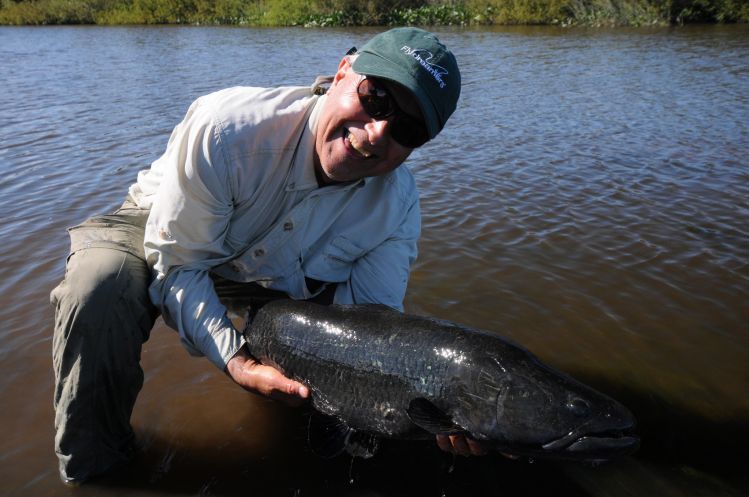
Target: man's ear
[[343, 68]]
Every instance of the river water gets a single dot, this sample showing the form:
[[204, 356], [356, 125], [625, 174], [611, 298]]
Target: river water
[[589, 199]]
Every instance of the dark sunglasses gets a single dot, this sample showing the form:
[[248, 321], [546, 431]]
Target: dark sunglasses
[[377, 101]]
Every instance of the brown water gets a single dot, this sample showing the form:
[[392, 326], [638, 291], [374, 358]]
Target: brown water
[[588, 200]]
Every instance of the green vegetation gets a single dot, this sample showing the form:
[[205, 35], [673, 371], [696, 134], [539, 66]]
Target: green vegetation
[[373, 12]]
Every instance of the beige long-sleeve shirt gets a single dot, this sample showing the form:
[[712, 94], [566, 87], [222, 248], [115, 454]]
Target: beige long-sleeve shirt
[[235, 194]]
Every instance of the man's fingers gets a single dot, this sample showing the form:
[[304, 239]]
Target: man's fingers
[[299, 390], [287, 391], [476, 448], [290, 399], [270, 382], [266, 380], [443, 442], [461, 445]]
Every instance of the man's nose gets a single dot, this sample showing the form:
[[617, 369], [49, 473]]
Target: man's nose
[[377, 130]]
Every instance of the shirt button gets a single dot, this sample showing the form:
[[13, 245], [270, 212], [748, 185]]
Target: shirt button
[[288, 225], [259, 252]]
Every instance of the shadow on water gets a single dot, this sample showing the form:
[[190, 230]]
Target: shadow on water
[[681, 449], [400, 469], [681, 454], [672, 432]]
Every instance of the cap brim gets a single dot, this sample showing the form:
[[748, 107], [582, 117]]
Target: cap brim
[[373, 65]]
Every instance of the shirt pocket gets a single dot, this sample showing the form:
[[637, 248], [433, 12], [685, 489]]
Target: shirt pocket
[[339, 256]]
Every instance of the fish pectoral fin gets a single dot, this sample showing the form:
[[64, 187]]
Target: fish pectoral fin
[[359, 444], [329, 437], [431, 418]]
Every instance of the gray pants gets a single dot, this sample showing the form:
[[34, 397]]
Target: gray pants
[[103, 315]]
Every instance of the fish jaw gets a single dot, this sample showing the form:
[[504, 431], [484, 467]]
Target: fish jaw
[[602, 438]]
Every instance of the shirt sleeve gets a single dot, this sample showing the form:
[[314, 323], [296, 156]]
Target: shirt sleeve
[[185, 236], [381, 275]]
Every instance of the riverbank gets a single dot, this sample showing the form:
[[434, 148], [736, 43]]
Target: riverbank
[[317, 13]]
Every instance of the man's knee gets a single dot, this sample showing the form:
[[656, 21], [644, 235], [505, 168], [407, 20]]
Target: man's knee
[[101, 285], [94, 275]]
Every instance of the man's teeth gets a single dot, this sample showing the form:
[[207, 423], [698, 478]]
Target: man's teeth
[[356, 146]]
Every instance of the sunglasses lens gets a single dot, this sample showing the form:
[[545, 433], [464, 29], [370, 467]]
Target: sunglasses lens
[[408, 132], [377, 102], [375, 99]]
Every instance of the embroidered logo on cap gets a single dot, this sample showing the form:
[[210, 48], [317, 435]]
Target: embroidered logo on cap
[[423, 57]]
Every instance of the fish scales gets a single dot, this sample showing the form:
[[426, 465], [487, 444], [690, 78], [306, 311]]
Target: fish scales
[[396, 375], [350, 366]]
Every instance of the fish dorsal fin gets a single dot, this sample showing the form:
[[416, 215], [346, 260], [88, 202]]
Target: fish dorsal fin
[[431, 418], [329, 437]]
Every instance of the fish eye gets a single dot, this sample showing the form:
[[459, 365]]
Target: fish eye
[[579, 407]]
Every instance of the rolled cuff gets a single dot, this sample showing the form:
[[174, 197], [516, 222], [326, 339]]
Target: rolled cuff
[[226, 341]]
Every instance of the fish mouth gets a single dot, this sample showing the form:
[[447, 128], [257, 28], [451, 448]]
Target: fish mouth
[[598, 445]]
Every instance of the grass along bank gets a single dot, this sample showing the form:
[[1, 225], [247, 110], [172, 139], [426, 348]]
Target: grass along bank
[[370, 12]]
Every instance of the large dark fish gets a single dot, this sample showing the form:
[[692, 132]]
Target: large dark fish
[[380, 372]]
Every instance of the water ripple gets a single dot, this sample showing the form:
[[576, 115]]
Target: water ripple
[[588, 198]]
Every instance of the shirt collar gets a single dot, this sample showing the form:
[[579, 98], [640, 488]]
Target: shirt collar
[[303, 171], [304, 163]]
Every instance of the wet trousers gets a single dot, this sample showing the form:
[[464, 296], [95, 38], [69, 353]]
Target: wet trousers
[[103, 315]]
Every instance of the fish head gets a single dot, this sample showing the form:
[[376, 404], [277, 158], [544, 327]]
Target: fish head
[[528, 408]]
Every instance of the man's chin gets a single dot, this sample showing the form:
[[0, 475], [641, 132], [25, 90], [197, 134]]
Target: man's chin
[[328, 174], [334, 175]]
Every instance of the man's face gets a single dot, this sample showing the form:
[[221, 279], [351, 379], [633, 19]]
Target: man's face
[[350, 144]]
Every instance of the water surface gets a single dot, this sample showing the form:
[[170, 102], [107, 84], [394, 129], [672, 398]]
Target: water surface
[[588, 200]]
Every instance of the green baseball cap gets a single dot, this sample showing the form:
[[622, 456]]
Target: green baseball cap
[[417, 60]]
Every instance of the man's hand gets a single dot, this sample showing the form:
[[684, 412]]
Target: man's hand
[[258, 378], [461, 445], [264, 380]]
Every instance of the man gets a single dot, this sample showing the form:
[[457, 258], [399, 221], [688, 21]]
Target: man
[[270, 193]]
